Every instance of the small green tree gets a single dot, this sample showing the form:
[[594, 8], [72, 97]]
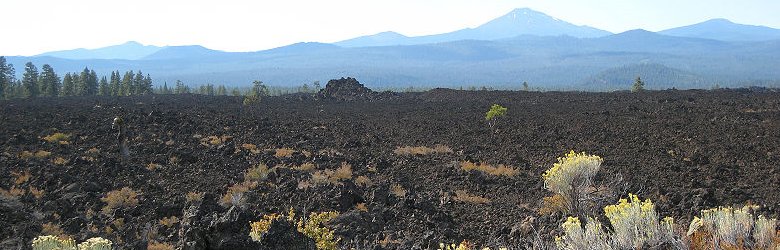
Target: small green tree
[[494, 112], [257, 91], [525, 86], [639, 85]]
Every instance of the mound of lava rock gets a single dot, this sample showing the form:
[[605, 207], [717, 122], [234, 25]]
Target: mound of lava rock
[[347, 89]]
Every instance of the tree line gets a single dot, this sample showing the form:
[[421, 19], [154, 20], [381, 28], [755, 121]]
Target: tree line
[[46, 82]]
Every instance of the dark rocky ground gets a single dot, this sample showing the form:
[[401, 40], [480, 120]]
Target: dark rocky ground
[[685, 150]]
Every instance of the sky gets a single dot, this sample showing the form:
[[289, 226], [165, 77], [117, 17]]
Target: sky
[[34, 27]]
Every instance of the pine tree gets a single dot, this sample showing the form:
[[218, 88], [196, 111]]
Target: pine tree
[[49, 81], [259, 89], [30, 80], [79, 84], [104, 89], [138, 83], [115, 85], [221, 90], [17, 90], [639, 86], [236, 92], [179, 89], [147, 83], [91, 83], [68, 85], [7, 75], [127, 84]]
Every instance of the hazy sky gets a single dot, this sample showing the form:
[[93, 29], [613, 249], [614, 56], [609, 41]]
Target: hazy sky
[[33, 27]]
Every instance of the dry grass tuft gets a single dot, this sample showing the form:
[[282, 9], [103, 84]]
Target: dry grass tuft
[[250, 147], [37, 193], [13, 192], [283, 152], [93, 151], [235, 194], [169, 221], [422, 150], [501, 170], [159, 246], [59, 161], [258, 173], [194, 196], [21, 177], [37, 154], [463, 196], [52, 229], [173, 160], [60, 138], [363, 181], [344, 172], [398, 191], [319, 178], [553, 204], [361, 207], [122, 198], [304, 185], [214, 140], [42, 154], [305, 167], [153, 166]]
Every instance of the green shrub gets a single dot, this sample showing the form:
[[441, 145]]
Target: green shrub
[[494, 112]]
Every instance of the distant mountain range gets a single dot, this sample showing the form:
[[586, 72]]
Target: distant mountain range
[[515, 23], [523, 45], [130, 51], [725, 30]]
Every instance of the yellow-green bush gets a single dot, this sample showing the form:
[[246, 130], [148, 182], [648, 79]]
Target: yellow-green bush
[[571, 176], [96, 243], [313, 227], [50, 242], [575, 236], [635, 225], [727, 227]]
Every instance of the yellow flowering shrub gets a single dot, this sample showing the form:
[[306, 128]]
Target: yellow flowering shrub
[[50, 242], [575, 236], [571, 175], [96, 243], [313, 227], [634, 223], [733, 228]]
